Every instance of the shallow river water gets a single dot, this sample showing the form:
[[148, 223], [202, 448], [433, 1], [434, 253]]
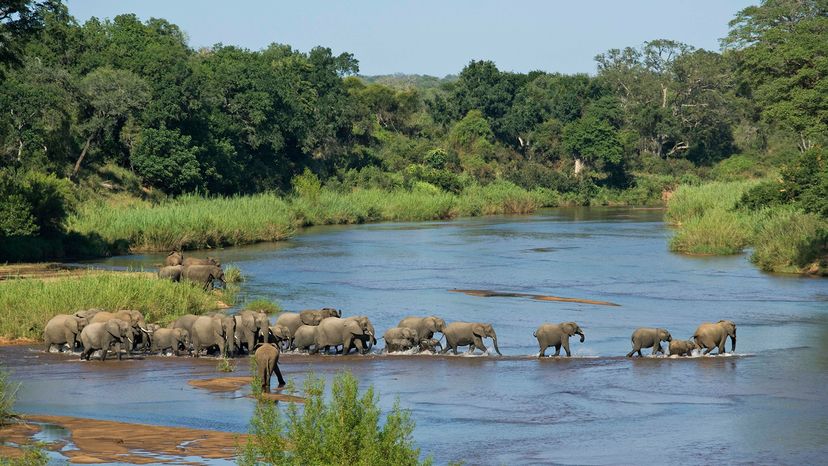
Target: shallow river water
[[768, 403]]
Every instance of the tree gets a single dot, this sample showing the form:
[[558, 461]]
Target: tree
[[19, 20], [782, 55], [166, 159], [110, 98], [592, 142]]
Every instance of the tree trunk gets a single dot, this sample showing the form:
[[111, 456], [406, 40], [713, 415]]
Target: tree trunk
[[579, 165], [19, 150], [82, 155]]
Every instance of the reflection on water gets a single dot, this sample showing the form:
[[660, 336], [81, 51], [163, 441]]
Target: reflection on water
[[768, 407]]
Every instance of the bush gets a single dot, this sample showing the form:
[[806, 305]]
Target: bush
[[716, 232], [689, 202], [166, 159], [263, 305], [765, 194], [345, 430], [307, 185], [33, 203], [789, 240]]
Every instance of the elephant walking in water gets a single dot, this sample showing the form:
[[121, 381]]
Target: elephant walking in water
[[424, 326], [469, 333], [267, 363], [64, 329], [334, 331], [399, 339], [251, 328], [683, 347], [104, 335], [557, 335], [203, 275], [171, 272], [211, 331], [709, 336], [649, 337]]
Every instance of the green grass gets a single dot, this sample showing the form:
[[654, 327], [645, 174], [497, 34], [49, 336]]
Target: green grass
[[717, 232], [789, 241], [263, 305], [27, 304], [193, 222], [689, 202]]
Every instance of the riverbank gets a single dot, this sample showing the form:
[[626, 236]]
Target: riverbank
[[711, 219], [27, 304]]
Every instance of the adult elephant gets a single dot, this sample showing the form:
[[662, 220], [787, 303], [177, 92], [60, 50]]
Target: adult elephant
[[186, 322], [137, 323], [171, 272], [267, 363], [104, 335], [174, 258], [649, 337], [364, 343], [710, 336], [469, 333], [63, 329], [305, 337], [424, 326], [278, 334], [188, 261], [400, 339], [209, 331], [204, 275], [175, 339], [334, 331], [315, 316], [557, 335], [251, 327]]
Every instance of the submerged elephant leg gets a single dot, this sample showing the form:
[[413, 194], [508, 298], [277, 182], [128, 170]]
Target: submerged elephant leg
[[542, 353], [478, 343], [565, 344]]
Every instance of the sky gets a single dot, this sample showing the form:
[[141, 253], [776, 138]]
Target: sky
[[439, 37]]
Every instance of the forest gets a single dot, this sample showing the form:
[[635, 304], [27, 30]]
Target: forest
[[122, 117]]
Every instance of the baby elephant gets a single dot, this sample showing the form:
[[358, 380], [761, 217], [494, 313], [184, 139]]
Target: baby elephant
[[683, 347], [267, 362], [649, 338], [557, 335], [399, 339], [430, 344], [170, 338]]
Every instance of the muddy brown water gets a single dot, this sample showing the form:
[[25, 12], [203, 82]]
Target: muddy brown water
[[765, 404]]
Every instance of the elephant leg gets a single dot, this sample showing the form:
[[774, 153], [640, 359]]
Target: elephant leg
[[48, 346], [656, 348], [707, 350], [118, 350], [279, 377], [85, 354], [542, 353], [478, 342], [566, 347]]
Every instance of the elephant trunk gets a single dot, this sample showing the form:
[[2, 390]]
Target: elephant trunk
[[494, 342]]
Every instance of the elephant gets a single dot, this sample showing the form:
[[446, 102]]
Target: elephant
[[556, 335], [368, 339], [152, 328], [251, 327], [469, 333], [278, 334], [204, 275], [425, 326], [189, 261], [136, 322], [87, 314], [267, 363], [314, 316], [304, 337], [683, 347], [186, 322], [172, 338], [171, 272], [213, 331], [292, 321], [649, 337], [399, 339], [334, 331], [103, 335], [174, 258], [64, 329], [430, 344], [710, 336]]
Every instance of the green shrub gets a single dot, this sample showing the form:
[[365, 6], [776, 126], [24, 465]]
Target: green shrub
[[689, 202], [33, 203], [765, 194], [232, 274], [166, 160], [344, 430], [263, 305], [738, 167], [715, 232], [788, 240], [307, 185]]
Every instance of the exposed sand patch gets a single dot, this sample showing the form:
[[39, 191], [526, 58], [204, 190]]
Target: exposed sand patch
[[109, 441], [231, 384], [537, 297]]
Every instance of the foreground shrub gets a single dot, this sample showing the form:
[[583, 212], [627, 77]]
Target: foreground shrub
[[689, 202], [716, 232], [344, 430], [790, 240], [26, 305]]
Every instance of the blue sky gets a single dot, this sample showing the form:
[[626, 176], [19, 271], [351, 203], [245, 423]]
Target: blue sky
[[440, 37]]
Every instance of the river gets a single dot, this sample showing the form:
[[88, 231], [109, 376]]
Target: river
[[768, 403]]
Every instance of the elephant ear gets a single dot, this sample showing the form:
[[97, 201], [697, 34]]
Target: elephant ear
[[479, 330], [307, 318], [568, 328]]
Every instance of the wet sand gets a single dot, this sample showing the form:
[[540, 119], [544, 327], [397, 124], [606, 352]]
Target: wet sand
[[537, 297], [232, 384]]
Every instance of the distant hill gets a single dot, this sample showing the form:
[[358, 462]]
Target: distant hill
[[400, 80]]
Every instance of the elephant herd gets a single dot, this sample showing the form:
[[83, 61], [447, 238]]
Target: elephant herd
[[201, 271]]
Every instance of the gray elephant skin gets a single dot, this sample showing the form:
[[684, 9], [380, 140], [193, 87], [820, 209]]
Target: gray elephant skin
[[469, 334], [682, 347], [186, 322], [174, 339], [103, 336], [267, 363], [399, 339], [710, 336], [278, 334], [305, 337], [173, 258], [557, 335], [367, 340], [334, 331], [203, 275], [209, 331], [140, 335], [425, 326], [63, 329], [315, 316], [251, 327], [188, 261], [171, 272], [649, 338]]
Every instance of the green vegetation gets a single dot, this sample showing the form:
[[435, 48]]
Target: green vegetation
[[344, 430], [225, 365], [263, 305], [32, 455], [26, 305], [115, 135]]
